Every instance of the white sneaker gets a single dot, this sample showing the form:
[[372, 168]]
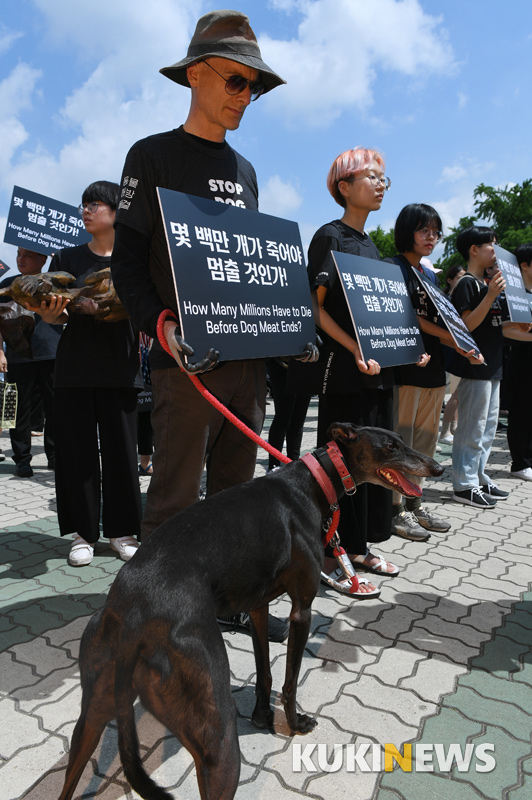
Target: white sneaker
[[81, 552], [525, 474], [125, 546], [447, 438]]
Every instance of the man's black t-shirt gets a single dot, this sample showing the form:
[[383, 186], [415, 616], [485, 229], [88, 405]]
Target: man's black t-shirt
[[91, 353], [467, 295], [142, 272]]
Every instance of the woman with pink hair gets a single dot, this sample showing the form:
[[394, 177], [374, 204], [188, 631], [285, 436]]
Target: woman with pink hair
[[350, 388]]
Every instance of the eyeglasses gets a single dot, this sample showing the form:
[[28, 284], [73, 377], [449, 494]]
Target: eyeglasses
[[375, 180], [430, 233], [236, 84], [92, 208]]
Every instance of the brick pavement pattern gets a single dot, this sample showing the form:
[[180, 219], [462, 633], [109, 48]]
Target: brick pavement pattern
[[443, 656]]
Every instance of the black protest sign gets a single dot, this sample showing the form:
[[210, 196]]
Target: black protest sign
[[240, 279], [515, 292], [383, 317], [4, 268], [450, 316], [42, 224]]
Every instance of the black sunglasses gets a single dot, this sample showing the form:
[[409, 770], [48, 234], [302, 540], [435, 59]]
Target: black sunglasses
[[237, 83]]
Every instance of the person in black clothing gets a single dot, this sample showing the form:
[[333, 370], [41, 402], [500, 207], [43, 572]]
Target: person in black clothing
[[519, 386], [483, 311], [97, 376], [225, 72], [349, 388], [419, 393], [33, 377]]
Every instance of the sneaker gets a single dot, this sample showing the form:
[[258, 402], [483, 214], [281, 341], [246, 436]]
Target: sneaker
[[474, 497], [491, 490], [23, 471], [81, 552], [406, 525], [525, 474], [447, 438], [125, 546], [430, 521], [277, 629]]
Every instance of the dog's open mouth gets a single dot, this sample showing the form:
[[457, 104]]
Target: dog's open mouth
[[399, 482]]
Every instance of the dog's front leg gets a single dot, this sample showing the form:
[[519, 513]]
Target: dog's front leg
[[297, 639], [262, 713]]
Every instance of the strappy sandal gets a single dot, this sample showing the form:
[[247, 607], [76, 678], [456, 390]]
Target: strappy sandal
[[334, 580], [377, 569], [146, 470]]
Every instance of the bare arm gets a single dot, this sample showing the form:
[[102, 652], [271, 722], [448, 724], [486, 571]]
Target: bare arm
[[445, 338], [324, 321], [473, 318]]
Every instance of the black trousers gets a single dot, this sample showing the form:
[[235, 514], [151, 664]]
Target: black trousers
[[34, 381], [519, 430], [290, 414], [81, 417], [365, 516]]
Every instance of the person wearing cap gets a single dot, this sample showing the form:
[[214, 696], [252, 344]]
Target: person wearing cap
[[225, 72]]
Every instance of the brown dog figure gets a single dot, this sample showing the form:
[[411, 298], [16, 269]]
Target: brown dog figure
[[157, 637]]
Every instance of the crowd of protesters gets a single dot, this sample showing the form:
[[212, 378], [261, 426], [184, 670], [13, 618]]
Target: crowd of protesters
[[97, 367]]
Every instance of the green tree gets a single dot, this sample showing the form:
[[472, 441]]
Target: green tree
[[384, 242], [508, 211]]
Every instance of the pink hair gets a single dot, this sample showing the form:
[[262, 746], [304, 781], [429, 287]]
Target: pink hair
[[348, 164]]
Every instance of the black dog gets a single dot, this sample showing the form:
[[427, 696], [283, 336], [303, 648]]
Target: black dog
[[157, 635]]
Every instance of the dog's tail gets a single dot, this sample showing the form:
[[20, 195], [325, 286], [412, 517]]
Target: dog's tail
[[128, 743]]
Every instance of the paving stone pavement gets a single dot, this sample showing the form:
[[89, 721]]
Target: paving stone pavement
[[443, 658]]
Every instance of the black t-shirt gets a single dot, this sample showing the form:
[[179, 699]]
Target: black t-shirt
[[467, 295], [433, 374], [44, 340], [336, 370], [91, 353], [142, 271]]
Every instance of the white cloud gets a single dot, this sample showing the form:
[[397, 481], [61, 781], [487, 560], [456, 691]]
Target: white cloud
[[279, 198], [467, 170], [333, 65], [16, 93], [451, 210], [7, 39], [123, 98], [463, 100]]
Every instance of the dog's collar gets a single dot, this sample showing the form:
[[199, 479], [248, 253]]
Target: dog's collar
[[329, 469]]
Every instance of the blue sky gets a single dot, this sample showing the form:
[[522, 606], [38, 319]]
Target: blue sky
[[442, 89]]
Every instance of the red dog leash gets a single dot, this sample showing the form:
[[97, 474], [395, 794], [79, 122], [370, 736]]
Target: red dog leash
[[309, 460]]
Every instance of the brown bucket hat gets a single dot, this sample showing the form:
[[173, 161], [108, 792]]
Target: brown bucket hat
[[224, 34]]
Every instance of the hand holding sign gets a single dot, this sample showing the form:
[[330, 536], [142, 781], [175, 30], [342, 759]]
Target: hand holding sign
[[180, 349]]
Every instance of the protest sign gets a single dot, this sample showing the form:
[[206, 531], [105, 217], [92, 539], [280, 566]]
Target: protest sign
[[240, 279], [4, 269], [42, 224], [515, 292], [383, 317], [450, 316]]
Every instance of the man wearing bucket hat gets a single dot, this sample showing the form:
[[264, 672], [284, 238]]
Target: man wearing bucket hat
[[225, 72]]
